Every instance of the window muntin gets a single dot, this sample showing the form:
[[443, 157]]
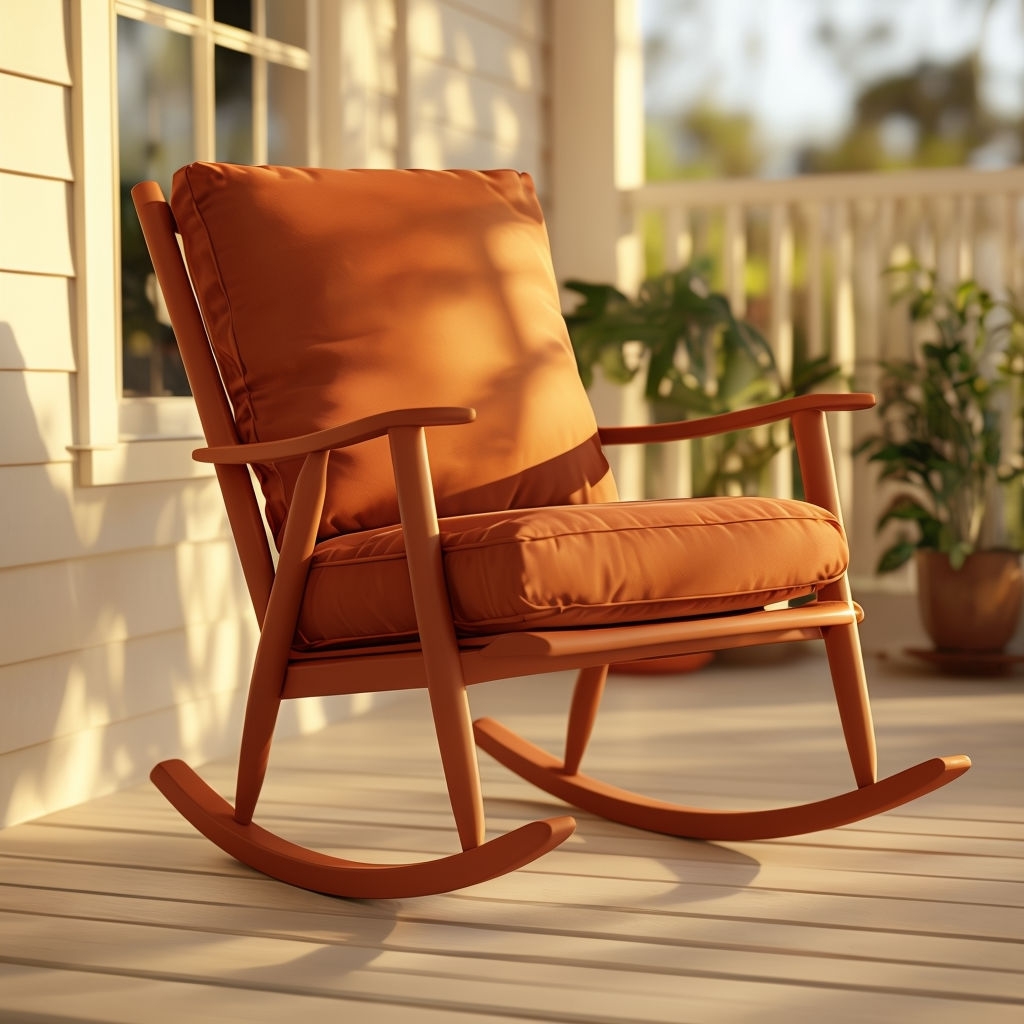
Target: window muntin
[[227, 80]]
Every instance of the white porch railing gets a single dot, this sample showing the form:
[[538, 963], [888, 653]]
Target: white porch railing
[[808, 254]]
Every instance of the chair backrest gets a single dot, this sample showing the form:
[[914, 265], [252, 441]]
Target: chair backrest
[[334, 294]]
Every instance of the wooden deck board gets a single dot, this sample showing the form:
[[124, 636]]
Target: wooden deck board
[[917, 915]]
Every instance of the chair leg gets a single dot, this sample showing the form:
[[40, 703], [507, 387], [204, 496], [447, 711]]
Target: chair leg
[[446, 686], [586, 699], [846, 663], [257, 734], [277, 632], [453, 725]]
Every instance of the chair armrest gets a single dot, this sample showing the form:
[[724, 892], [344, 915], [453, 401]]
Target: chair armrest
[[706, 426], [341, 436]]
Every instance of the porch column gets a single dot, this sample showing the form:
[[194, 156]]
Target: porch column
[[596, 134]]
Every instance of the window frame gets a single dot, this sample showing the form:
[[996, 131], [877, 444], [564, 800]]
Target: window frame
[[145, 439]]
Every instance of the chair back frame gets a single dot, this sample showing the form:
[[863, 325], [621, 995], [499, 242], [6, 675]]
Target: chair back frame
[[243, 509]]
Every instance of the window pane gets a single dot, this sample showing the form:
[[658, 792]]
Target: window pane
[[178, 5], [233, 12], [286, 102], [155, 131], [286, 20], [233, 87]]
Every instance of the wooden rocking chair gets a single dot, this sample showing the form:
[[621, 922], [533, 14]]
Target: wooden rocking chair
[[335, 325]]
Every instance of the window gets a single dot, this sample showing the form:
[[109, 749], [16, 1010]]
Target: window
[[167, 82]]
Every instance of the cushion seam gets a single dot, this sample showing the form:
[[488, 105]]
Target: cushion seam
[[594, 531], [227, 302], [632, 529]]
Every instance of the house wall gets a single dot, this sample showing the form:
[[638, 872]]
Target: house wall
[[476, 76], [437, 83], [126, 634]]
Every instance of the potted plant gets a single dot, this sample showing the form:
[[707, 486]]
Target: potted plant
[[697, 359], [951, 439]]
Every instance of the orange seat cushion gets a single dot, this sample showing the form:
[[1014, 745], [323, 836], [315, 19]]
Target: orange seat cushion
[[578, 566], [330, 295]]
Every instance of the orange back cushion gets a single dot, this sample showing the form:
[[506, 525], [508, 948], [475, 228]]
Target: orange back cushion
[[335, 294]]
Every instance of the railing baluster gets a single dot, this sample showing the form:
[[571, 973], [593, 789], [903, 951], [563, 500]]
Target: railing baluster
[[780, 332], [965, 237], [735, 259], [815, 226], [674, 233], [1011, 264], [843, 343], [1015, 275]]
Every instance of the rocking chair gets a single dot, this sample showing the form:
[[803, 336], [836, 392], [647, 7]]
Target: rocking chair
[[386, 350]]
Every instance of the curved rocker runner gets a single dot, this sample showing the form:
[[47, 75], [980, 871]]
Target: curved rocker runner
[[214, 817], [589, 794]]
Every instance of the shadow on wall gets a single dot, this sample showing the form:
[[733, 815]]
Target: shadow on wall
[[127, 634], [475, 91]]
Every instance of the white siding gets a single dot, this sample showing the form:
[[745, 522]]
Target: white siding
[[436, 83], [35, 322], [126, 633], [359, 83], [34, 40], [476, 81], [28, 103]]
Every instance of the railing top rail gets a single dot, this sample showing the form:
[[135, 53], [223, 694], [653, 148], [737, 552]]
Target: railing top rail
[[827, 188]]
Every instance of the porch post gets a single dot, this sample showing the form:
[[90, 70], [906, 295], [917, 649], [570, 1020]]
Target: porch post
[[596, 135]]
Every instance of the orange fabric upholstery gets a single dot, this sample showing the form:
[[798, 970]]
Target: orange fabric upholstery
[[467, 306], [588, 565]]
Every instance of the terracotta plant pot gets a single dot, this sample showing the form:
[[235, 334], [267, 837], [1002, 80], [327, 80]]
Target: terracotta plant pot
[[975, 608]]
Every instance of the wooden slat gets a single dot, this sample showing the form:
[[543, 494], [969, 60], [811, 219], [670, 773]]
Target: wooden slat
[[35, 326], [38, 408], [441, 95], [35, 213], [30, 993], [36, 137], [520, 17], [444, 145], [97, 686], [34, 40], [442, 33], [120, 595], [735, 258], [47, 519]]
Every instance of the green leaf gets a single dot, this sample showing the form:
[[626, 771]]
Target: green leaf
[[894, 557], [958, 554], [614, 367], [905, 507]]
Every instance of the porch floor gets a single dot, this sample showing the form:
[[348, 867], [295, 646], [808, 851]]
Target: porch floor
[[117, 911]]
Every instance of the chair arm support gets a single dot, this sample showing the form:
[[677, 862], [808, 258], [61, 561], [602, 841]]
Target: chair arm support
[[341, 436], [771, 412]]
